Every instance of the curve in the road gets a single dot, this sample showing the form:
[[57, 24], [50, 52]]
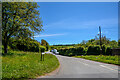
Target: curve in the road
[[81, 68]]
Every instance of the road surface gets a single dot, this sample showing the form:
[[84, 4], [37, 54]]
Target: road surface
[[80, 68]]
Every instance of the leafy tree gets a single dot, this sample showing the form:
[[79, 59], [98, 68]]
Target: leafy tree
[[104, 40], [113, 44], [91, 40], [45, 43], [83, 42], [19, 19]]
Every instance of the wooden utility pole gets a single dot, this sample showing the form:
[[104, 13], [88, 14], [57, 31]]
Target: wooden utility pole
[[100, 40], [100, 35]]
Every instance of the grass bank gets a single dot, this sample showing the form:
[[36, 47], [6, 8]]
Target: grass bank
[[101, 58], [26, 65]]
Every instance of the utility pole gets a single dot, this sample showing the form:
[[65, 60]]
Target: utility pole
[[100, 35], [100, 40]]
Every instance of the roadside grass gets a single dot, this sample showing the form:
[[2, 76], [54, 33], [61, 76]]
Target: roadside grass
[[19, 64], [101, 58]]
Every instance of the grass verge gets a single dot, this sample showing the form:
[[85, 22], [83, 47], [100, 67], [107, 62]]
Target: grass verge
[[101, 58], [19, 64]]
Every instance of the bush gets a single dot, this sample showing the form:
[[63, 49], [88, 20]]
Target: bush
[[26, 45], [70, 54], [93, 50], [33, 46], [80, 51], [108, 51], [104, 50], [71, 51]]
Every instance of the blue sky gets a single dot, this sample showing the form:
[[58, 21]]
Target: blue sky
[[72, 22]]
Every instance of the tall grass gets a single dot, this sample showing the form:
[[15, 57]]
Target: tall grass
[[101, 58], [20, 64]]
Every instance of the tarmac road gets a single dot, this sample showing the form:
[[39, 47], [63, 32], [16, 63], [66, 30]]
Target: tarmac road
[[81, 68]]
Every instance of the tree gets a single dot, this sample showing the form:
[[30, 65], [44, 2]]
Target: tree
[[104, 40], [19, 19], [113, 44], [83, 42], [45, 43], [91, 40]]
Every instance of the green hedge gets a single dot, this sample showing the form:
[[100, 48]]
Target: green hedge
[[90, 50], [26, 45], [72, 51], [106, 50], [93, 50]]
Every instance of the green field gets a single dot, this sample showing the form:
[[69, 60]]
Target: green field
[[101, 58], [19, 64]]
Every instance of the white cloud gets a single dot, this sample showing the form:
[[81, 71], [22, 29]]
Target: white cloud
[[47, 35], [71, 23]]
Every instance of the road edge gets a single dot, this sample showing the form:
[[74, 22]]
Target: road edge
[[55, 71], [100, 62]]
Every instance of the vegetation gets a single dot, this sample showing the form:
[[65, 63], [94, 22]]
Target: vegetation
[[119, 43], [45, 43], [90, 47], [71, 51], [20, 64], [21, 52], [91, 50], [19, 20], [26, 45], [101, 58]]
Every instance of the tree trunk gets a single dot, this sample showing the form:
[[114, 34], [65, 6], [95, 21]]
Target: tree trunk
[[5, 47]]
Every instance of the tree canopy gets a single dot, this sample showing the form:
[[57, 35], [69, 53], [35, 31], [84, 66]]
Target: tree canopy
[[45, 43], [19, 20]]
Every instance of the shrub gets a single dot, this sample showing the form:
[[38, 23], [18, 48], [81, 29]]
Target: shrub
[[93, 50], [108, 51], [71, 51], [26, 45], [70, 54], [80, 51], [103, 50]]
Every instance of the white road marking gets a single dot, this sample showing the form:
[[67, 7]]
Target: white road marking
[[108, 67], [83, 63]]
